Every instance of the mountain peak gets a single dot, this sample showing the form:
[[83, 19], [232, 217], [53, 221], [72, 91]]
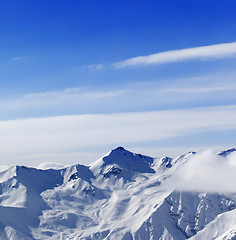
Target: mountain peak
[[129, 160], [119, 149]]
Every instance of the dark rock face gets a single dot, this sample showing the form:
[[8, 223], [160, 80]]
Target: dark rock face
[[227, 152]]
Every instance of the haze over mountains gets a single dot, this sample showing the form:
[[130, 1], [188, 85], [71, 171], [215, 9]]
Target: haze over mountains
[[123, 195]]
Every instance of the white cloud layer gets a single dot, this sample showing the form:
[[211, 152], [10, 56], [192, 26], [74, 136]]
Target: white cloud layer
[[216, 51], [70, 133], [50, 165], [207, 172]]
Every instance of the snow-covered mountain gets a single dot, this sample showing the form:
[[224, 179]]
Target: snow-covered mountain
[[122, 195]]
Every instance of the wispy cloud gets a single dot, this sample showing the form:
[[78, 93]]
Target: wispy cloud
[[91, 67], [96, 67], [216, 51], [79, 93], [19, 58], [172, 94], [67, 91], [70, 133], [198, 89]]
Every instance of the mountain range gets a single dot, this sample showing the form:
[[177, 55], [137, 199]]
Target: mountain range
[[121, 196]]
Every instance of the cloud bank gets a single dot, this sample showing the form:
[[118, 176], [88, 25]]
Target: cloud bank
[[207, 172], [216, 51], [71, 133]]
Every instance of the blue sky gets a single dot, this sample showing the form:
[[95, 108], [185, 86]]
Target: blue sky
[[115, 59]]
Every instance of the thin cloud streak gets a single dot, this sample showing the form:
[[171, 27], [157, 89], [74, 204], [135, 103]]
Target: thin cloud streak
[[79, 93], [18, 58], [85, 93], [216, 51], [91, 67], [198, 89], [95, 67], [52, 93], [124, 98]]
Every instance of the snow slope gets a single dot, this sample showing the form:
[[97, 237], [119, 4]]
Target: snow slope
[[120, 196]]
